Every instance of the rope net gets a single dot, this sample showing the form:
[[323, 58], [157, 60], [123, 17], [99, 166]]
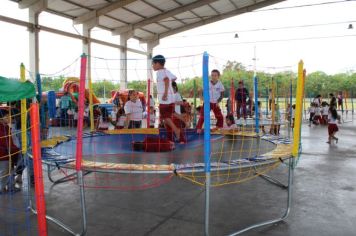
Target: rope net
[[133, 142], [14, 181]]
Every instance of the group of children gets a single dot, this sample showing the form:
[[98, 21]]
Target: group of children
[[323, 113]]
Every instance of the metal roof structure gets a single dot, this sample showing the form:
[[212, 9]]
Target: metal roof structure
[[145, 20], [148, 20]]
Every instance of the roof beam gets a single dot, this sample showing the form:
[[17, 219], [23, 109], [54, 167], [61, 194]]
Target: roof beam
[[102, 11], [164, 15], [214, 19], [36, 5]]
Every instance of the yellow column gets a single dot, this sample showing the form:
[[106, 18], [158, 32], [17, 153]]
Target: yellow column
[[23, 114], [298, 109]]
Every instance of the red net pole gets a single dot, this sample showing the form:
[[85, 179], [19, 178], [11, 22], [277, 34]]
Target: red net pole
[[232, 96], [148, 103], [37, 167], [79, 150]]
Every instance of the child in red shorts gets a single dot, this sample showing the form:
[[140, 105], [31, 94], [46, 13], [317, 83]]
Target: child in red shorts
[[165, 94], [332, 126]]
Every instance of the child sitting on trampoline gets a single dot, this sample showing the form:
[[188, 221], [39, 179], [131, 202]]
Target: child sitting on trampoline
[[152, 117], [230, 123], [332, 127], [153, 144], [104, 121], [120, 118]]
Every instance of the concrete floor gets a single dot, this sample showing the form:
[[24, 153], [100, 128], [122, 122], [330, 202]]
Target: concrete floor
[[323, 204]]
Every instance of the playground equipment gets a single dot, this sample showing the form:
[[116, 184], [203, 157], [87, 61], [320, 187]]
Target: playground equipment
[[230, 157]]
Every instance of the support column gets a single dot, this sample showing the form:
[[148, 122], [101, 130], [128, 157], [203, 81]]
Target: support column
[[87, 27], [150, 46], [34, 8], [123, 60]]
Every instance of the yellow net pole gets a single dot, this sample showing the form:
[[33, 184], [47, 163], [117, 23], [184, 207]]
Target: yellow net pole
[[23, 114], [298, 109]]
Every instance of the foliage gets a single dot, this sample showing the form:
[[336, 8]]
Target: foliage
[[52, 83], [316, 83]]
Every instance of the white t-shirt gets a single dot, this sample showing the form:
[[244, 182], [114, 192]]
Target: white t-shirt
[[331, 119], [317, 111], [161, 74], [177, 98], [152, 118], [231, 127], [325, 110], [113, 115], [121, 121], [152, 102], [215, 91], [86, 112], [135, 110], [311, 109]]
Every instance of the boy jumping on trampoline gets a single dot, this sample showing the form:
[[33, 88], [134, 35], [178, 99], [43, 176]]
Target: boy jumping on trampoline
[[216, 90], [166, 95]]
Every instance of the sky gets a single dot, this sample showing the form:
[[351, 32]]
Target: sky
[[277, 36]]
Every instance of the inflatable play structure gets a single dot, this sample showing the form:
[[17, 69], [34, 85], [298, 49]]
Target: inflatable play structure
[[122, 96], [71, 85]]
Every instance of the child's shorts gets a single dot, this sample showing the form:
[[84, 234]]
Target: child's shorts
[[332, 128], [166, 110]]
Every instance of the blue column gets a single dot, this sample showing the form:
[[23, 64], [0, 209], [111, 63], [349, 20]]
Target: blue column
[[206, 112]]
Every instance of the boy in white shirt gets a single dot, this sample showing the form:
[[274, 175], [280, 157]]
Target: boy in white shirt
[[216, 91], [165, 95], [325, 112], [134, 111]]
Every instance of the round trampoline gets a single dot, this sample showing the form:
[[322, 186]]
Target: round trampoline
[[235, 157]]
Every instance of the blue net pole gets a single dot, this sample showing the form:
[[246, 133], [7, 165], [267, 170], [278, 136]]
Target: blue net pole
[[257, 115], [39, 98], [207, 147], [206, 112]]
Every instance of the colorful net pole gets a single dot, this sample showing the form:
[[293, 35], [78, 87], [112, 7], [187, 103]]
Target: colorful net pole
[[148, 102], [267, 95], [232, 96], [257, 116], [207, 137], [37, 166], [290, 105], [273, 103], [91, 110], [298, 110], [195, 103], [23, 114], [346, 97], [79, 146], [352, 101]]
